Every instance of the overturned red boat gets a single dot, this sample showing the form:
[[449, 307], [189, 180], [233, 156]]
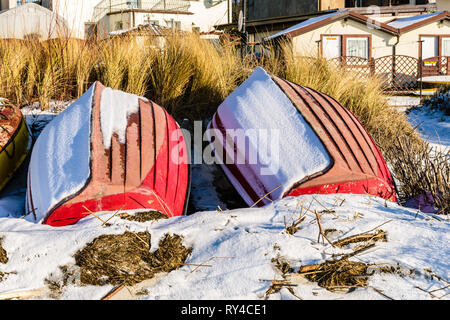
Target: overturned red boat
[[297, 141], [107, 151]]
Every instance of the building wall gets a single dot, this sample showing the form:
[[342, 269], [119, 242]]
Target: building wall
[[7, 4], [306, 44], [331, 4], [409, 45], [382, 42], [443, 5], [30, 20], [260, 9], [204, 17], [75, 13], [367, 3]]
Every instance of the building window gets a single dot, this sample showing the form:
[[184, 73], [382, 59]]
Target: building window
[[119, 25], [357, 47], [334, 46], [133, 4], [175, 25], [19, 2], [446, 46]]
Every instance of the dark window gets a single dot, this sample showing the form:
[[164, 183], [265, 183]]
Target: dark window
[[19, 2]]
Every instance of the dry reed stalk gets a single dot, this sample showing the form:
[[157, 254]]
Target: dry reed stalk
[[380, 235], [321, 233], [421, 169]]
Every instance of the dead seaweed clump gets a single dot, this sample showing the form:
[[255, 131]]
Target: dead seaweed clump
[[337, 274], [3, 255], [3, 258], [143, 216], [126, 258]]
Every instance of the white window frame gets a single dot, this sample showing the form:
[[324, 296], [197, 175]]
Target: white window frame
[[365, 39]]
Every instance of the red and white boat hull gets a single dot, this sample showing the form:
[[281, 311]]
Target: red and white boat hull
[[108, 151], [317, 145]]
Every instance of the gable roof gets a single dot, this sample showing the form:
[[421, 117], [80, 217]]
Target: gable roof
[[410, 23], [304, 24], [395, 27], [317, 22], [404, 22]]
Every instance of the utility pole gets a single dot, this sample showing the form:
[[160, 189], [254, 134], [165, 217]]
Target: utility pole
[[243, 14], [421, 66]]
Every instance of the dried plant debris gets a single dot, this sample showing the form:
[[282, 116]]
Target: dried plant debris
[[143, 216], [337, 274], [3, 255], [340, 274], [282, 265], [68, 274], [295, 226], [379, 235], [277, 285], [126, 258]]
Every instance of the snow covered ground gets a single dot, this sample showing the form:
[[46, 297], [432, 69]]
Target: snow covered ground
[[237, 248], [433, 125], [235, 252]]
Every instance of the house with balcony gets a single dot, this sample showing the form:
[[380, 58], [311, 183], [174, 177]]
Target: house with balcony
[[399, 50], [183, 15], [268, 17], [84, 18]]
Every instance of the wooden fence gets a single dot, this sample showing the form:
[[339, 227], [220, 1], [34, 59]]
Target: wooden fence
[[398, 73]]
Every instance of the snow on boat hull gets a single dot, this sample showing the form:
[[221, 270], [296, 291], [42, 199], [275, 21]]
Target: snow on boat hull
[[322, 149], [133, 156], [15, 142]]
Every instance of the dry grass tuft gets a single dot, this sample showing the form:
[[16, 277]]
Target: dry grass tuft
[[126, 258], [365, 99], [421, 169], [188, 76], [337, 274], [143, 216]]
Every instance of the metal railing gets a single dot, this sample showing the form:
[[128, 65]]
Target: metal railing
[[113, 6]]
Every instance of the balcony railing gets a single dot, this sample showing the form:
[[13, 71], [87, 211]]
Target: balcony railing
[[113, 6]]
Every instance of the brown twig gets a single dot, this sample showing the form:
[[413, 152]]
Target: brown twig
[[321, 233], [90, 212], [113, 292], [381, 293], [361, 237], [264, 196]]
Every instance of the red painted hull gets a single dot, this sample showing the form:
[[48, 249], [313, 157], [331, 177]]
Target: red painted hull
[[355, 163], [149, 171], [359, 166]]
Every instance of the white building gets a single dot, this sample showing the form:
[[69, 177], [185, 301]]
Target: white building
[[84, 17], [185, 15], [30, 20]]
